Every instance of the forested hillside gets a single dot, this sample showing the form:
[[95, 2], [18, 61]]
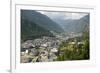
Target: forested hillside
[[30, 30]]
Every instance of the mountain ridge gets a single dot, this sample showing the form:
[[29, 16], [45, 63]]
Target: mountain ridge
[[41, 20]]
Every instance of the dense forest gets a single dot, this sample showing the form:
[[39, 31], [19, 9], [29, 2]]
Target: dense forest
[[76, 50], [30, 30]]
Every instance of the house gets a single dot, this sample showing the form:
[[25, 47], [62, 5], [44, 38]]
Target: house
[[80, 43], [72, 43], [26, 47], [44, 45], [54, 50], [34, 52], [52, 57]]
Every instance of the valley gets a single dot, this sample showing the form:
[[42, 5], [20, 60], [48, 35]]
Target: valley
[[52, 36]]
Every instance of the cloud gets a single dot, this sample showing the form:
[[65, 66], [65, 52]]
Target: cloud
[[78, 15], [63, 15]]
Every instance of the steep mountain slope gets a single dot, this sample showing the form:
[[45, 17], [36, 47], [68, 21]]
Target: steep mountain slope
[[30, 30], [72, 25], [41, 20]]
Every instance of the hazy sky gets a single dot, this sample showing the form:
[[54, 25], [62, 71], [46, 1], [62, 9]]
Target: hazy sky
[[63, 15]]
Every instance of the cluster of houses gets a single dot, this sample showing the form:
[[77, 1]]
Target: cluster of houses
[[44, 49], [40, 50]]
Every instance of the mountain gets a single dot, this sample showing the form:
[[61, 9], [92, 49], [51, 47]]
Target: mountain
[[72, 25], [35, 25], [30, 30], [41, 20]]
